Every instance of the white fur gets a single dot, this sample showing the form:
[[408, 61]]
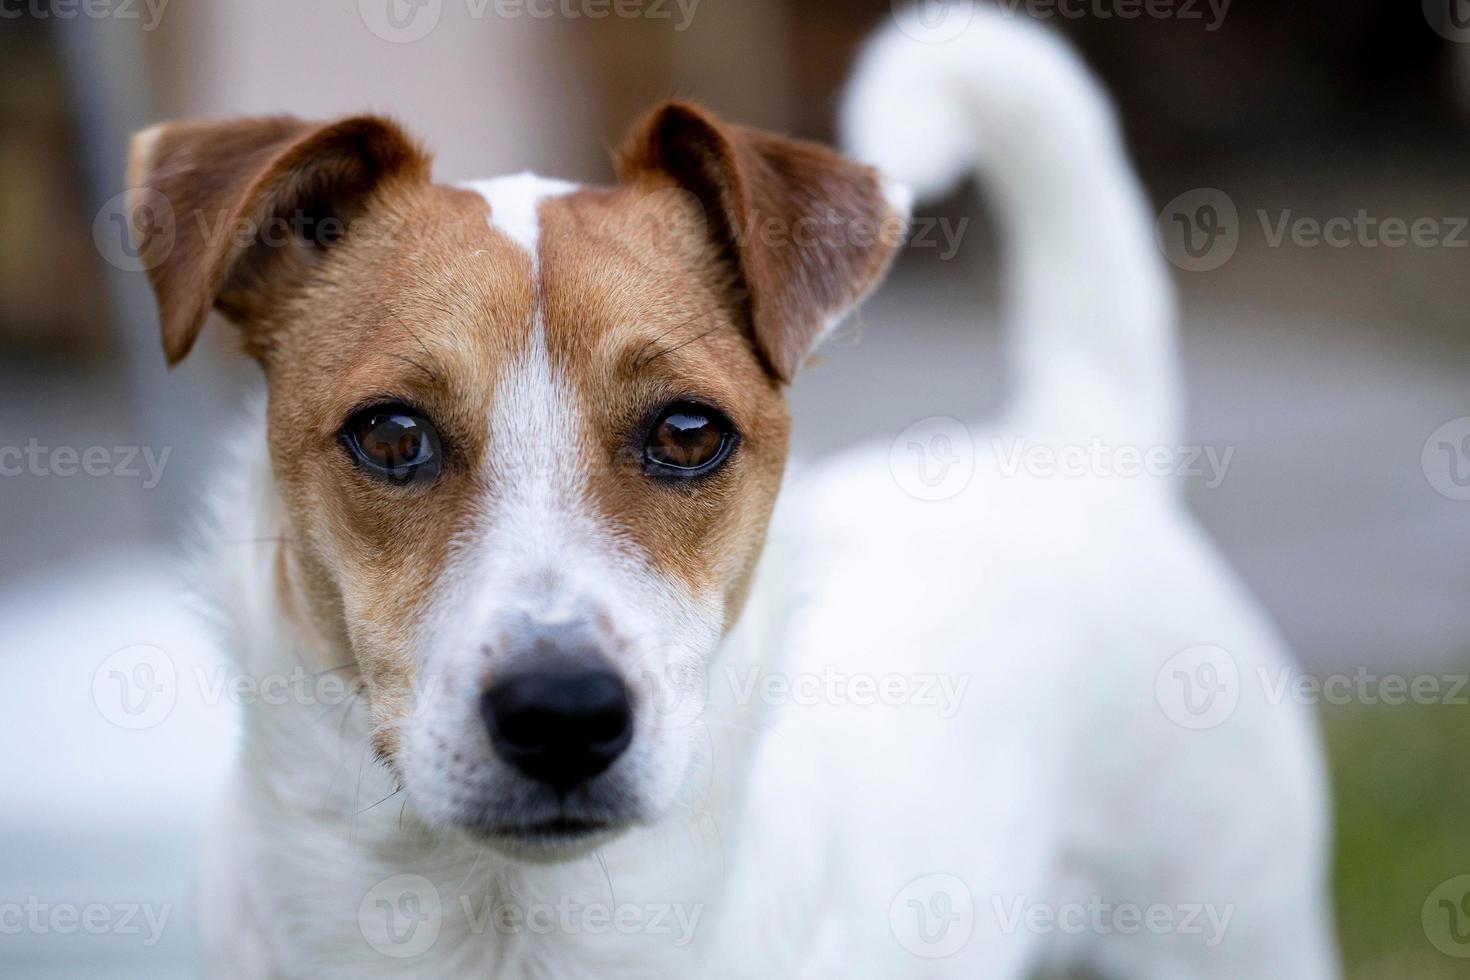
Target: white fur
[[1050, 605], [515, 201]]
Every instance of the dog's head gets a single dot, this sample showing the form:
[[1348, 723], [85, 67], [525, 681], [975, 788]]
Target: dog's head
[[526, 435]]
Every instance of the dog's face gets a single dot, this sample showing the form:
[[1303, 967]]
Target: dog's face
[[526, 435]]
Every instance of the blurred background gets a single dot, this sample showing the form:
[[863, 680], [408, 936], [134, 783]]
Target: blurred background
[[1334, 366]]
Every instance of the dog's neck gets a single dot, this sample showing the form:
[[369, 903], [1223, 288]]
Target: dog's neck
[[315, 806]]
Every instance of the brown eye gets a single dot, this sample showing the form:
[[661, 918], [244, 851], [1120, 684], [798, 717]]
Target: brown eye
[[687, 440], [394, 443]]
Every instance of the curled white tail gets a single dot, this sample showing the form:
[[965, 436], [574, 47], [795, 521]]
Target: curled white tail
[[1090, 307]]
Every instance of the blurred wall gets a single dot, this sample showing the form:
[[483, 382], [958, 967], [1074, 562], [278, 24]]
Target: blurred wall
[[486, 94]]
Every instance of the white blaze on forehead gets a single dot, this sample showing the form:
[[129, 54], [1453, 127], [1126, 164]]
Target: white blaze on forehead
[[514, 202], [540, 525], [536, 464]]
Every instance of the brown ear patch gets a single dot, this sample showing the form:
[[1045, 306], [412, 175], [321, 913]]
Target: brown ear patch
[[807, 231], [233, 213]]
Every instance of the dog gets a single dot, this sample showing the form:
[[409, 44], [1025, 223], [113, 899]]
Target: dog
[[600, 712]]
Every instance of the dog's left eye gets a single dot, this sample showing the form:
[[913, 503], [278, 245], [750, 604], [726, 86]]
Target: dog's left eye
[[394, 443], [687, 440]]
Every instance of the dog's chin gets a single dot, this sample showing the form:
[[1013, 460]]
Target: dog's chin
[[548, 841]]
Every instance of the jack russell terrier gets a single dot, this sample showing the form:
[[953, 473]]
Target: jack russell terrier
[[514, 479]]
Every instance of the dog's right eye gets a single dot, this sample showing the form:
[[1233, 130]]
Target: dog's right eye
[[687, 440], [394, 443]]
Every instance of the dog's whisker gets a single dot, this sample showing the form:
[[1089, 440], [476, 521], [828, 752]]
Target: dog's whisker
[[643, 359], [415, 364], [714, 824], [720, 325], [357, 792], [697, 317], [607, 876], [383, 800], [479, 855], [417, 339], [346, 705]]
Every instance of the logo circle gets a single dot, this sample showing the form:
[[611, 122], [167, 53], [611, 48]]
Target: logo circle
[[932, 916], [1450, 19], [933, 459], [134, 230], [400, 917], [669, 688], [661, 226], [932, 21], [1199, 230], [136, 687], [400, 21], [1446, 459], [1446, 917], [1199, 687]]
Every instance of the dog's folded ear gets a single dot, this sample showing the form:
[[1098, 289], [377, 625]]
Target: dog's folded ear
[[807, 232], [234, 214]]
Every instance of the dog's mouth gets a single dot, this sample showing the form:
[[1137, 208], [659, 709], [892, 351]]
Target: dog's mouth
[[555, 828], [554, 838]]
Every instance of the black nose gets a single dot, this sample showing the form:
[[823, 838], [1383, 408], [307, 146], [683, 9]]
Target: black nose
[[560, 721]]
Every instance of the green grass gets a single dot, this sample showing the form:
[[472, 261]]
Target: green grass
[[1401, 777]]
